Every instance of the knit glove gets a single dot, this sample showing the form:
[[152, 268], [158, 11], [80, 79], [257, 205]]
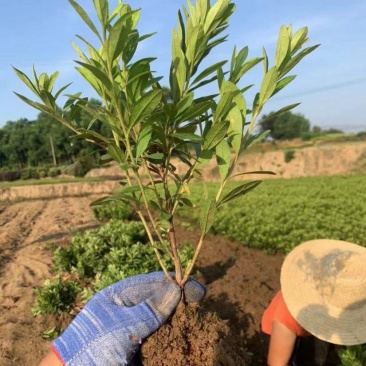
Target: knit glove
[[112, 325]]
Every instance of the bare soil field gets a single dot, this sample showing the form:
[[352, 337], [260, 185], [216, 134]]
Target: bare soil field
[[240, 281]]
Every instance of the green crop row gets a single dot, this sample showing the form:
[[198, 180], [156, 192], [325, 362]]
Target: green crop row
[[281, 213]]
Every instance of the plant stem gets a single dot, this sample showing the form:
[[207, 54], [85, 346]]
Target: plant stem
[[177, 262], [194, 259], [161, 263]]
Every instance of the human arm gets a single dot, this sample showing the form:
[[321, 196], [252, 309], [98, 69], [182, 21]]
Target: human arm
[[111, 326], [51, 359], [281, 345]]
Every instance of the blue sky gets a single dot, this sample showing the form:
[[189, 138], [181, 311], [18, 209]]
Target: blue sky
[[330, 84]]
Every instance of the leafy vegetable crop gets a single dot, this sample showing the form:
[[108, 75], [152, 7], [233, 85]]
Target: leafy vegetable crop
[[282, 213]]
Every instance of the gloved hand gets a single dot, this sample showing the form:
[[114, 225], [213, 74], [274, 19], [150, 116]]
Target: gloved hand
[[110, 328]]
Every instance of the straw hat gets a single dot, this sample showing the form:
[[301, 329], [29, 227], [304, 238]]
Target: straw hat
[[324, 286]]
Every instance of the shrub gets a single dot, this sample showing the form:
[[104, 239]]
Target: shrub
[[353, 355], [88, 253], [55, 296], [115, 210], [289, 155], [29, 173], [54, 172], [9, 175]]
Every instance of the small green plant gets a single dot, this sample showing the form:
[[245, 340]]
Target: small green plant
[[56, 296], [150, 132], [353, 355], [289, 155], [51, 334], [113, 210], [114, 251]]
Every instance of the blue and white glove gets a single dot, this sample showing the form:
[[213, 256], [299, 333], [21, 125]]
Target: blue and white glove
[[112, 325]]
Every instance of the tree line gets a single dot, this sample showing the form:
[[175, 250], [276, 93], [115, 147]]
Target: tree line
[[43, 141]]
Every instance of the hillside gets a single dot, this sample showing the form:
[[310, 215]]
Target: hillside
[[287, 161]]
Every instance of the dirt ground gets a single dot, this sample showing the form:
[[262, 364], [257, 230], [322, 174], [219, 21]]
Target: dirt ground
[[240, 281]]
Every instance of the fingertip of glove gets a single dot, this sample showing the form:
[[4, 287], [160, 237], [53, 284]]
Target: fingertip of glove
[[194, 291]]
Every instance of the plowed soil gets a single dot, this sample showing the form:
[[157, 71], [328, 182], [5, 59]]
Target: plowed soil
[[240, 281]]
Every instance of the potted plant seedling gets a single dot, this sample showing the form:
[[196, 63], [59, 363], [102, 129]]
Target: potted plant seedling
[[151, 134]]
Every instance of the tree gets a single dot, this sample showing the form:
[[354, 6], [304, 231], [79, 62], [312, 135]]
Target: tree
[[285, 126], [150, 134]]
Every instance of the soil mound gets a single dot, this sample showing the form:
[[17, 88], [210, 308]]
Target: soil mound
[[194, 337]]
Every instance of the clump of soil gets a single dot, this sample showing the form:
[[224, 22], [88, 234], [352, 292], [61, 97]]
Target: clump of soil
[[193, 337]]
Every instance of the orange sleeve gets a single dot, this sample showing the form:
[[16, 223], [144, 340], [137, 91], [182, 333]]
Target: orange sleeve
[[278, 311]]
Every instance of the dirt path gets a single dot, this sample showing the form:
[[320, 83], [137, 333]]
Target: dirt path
[[240, 281], [26, 231]]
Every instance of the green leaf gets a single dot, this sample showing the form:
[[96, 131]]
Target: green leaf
[[223, 155], [104, 200], [245, 68], [236, 117], [235, 131], [265, 61], [89, 77], [228, 91], [283, 82], [296, 59], [241, 57], [143, 141], [154, 205], [268, 85], [191, 137], [85, 18], [120, 35], [194, 111], [204, 158], [52, 81], [186, 201], [253, 172], [208, 71], [92, 135], [48, 99], [178, 70], [61, 90], [283, 46], [36, 105], [202, 83], [185, 103], [145, 106], [79, 52], [280, 111], [24, 78], [214, 15], [99, 74], [298, 39], [207, 214], [101, 7], [194, 44], [216, 133], [156, 157], [239, 191], [104, 159], [251, 140], [116, 153]]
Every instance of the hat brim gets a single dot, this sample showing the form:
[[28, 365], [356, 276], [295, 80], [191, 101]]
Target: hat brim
[[324, 287]]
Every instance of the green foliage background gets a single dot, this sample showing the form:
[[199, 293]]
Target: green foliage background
[[281, 213]]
